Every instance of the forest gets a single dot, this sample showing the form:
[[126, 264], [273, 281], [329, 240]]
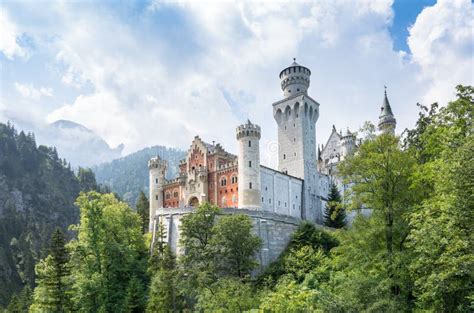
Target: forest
[[413, 253]]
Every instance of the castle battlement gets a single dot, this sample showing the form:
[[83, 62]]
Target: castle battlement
[[248, 130], [157, 163]]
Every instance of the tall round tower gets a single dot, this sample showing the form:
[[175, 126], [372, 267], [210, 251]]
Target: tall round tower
[[157, 168], [248, 135], [294, 79]]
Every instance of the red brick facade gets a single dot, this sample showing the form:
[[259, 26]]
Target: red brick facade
[[219, 166]]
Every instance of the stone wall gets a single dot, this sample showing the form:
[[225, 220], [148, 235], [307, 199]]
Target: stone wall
[[275, 230]]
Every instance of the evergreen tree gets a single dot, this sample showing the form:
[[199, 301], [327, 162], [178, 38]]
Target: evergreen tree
[[53, 289], [134, 300], [143, 208], [20, 303], [162, 295], [334, 213], [86, 179]]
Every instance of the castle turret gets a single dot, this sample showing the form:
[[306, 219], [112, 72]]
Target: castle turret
[[387, 121], [348, 142], [157, 168], [294, 79], [248, 135]]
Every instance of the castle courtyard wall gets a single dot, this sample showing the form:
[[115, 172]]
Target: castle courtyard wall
[[275, 230]]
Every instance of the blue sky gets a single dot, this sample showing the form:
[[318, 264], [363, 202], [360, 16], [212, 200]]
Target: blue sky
[[405, 14], [159, 72]]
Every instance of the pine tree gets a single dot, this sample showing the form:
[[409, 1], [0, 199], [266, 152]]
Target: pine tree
[[52, 293], [87, 179], [134, 300], [142, 207], [334, 213]]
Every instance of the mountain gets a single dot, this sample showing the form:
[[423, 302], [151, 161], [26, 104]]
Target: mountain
[[128, 176], [37, 194], [78, 144]]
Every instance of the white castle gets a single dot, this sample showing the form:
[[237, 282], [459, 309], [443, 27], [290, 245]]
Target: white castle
[[276, 200]]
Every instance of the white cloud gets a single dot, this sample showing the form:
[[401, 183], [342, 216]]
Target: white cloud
[[9, 38], [442, 44], [142, 89], [30, 92]]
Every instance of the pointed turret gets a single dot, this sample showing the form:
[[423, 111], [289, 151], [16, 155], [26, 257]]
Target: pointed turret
[[387, 121]]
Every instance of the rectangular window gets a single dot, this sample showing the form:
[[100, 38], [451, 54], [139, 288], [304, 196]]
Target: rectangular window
[[250, 163], [156, 180], [250, 185], [262, 199], [156, 197], [250, 143]]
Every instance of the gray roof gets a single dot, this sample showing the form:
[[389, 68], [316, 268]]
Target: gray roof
[[386, 114], [385, 109]]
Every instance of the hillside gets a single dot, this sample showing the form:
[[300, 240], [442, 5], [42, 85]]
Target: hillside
[[128, 176], [37, 194]]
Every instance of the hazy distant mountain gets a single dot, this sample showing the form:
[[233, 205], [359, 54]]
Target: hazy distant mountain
[[78, 144], [128, 176]]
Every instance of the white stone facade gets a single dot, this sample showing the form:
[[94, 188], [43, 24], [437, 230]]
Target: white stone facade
[[296, 116]]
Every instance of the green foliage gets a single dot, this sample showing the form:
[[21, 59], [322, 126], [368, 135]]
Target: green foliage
[[441, 237], [220, 252], [334, 213], [227, 295], [53, 290], [86, 179], [234, 245], [289, 296], [37, 193], [307, 246], [128, 176], [108, 253], [380, 177], [163, 295], [135, 296], [197, 230], [20, 303], [142, 208]]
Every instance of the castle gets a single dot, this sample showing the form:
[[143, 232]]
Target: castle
[[277, 200]]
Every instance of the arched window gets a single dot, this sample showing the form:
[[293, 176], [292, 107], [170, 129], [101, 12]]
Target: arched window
[[223, 181], [168, 195], [175, 194]]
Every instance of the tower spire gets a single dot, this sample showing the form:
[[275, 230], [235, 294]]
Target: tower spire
[[387, 121]]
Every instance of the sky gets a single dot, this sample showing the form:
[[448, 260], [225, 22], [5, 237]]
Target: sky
[[158, 72]]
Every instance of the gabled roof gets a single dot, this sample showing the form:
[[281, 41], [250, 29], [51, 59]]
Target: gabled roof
[[333, 133]]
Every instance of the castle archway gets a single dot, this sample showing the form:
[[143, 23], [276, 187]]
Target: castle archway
[[194, 202]]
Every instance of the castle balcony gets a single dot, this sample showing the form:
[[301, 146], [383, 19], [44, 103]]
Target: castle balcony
[[202, 173]]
